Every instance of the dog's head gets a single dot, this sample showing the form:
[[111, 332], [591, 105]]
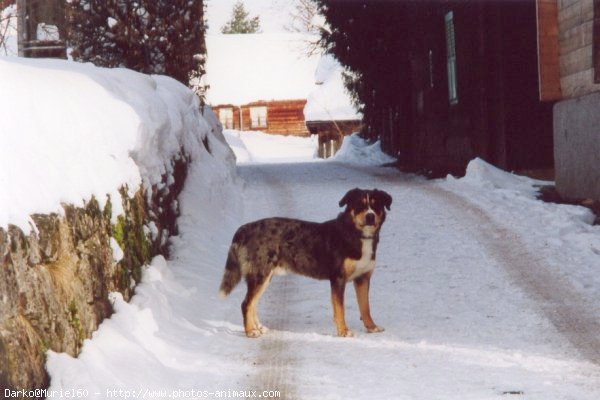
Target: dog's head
[[366, 208]]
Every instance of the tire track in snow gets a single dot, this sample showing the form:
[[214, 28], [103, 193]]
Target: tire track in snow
[[570, 313], [556, 298], [275, 363]]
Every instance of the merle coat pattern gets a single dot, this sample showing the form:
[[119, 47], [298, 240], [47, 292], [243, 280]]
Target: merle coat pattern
[[338, 250]]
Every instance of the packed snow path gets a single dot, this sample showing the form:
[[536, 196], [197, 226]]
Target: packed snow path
[[472, 310], [455, 290]]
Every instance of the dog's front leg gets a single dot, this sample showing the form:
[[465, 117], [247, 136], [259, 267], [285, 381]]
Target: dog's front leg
[[338, 286], [361, 285]]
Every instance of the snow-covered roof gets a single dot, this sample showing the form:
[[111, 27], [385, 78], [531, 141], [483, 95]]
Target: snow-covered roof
[[241, 69], [329, 100]]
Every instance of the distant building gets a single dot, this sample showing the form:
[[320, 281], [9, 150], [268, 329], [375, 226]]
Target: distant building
[[282, 117], [266, 82]]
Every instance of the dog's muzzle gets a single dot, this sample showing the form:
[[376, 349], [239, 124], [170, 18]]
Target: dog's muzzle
[[370, 219]]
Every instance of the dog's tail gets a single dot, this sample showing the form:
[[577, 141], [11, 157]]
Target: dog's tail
[[232, 274]]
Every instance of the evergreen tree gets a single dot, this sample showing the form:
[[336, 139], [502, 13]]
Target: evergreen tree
[[149, 36], [365, 36], [240, 22]]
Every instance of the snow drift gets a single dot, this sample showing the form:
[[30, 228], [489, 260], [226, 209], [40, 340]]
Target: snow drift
[[72, 131]]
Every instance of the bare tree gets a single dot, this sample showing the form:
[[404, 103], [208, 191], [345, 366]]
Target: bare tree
[[8, 23], [303, 17], [306, 18]]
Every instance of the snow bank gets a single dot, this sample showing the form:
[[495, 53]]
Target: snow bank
[[260, 147], [356, 150], [72, 131], [565, 231], [329, 99]]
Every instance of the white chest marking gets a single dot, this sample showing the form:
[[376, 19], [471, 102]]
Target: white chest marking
[[366, 262]]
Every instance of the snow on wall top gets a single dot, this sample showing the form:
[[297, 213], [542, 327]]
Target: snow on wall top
[[244, 68], [69, 131]]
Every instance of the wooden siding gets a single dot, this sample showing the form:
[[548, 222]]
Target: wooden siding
[[284, 117], [548, 53], [576, 47]]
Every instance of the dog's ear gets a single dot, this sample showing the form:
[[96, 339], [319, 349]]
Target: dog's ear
[[384, 197], [348, 197]]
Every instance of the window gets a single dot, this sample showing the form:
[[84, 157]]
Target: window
[[451, 58], [430, 60], [226, 117], [258, 117], [596, 41]]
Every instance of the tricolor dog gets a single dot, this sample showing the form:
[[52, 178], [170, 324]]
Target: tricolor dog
[[340, 250]]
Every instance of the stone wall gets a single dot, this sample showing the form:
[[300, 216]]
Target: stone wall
[[54, 282]]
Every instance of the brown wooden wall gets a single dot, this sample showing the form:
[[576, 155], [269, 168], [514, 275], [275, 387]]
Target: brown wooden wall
[[548, 50], [284, 117]]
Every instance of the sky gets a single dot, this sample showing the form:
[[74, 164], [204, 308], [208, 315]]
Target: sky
[[274, 14]]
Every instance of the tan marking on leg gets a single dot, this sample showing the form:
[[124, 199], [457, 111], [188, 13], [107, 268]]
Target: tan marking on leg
[[256, 288], [261, 290], [361, 285], [337, 300]]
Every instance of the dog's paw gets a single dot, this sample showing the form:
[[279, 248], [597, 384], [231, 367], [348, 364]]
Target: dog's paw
[[375, 329], [263, 329], [345, 333], [254, 333]]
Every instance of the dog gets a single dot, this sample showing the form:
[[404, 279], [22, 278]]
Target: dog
[[340, 250]]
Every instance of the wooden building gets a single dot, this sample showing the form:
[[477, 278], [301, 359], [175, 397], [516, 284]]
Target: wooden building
[[569, 43], [283, 117], [468, 88], [40, 26]]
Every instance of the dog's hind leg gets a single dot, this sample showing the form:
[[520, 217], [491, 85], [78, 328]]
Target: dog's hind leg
[[257, 284]]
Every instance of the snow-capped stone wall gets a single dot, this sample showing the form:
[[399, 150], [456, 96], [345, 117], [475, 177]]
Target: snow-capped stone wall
[[91, 163]]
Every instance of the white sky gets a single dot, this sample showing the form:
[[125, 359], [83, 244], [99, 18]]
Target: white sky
[[274, 14]]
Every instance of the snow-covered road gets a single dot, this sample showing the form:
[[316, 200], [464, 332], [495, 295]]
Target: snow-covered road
[[463, 318], [470, 284]]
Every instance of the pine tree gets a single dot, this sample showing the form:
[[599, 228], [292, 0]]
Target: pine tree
[[240, 22], [149, 36]]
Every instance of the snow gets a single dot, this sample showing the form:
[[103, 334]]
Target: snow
[[72, 131], [257, 147], [329, 99], [569, 240], [356, 150], [458, 324], [47, 32], [244, 68]]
